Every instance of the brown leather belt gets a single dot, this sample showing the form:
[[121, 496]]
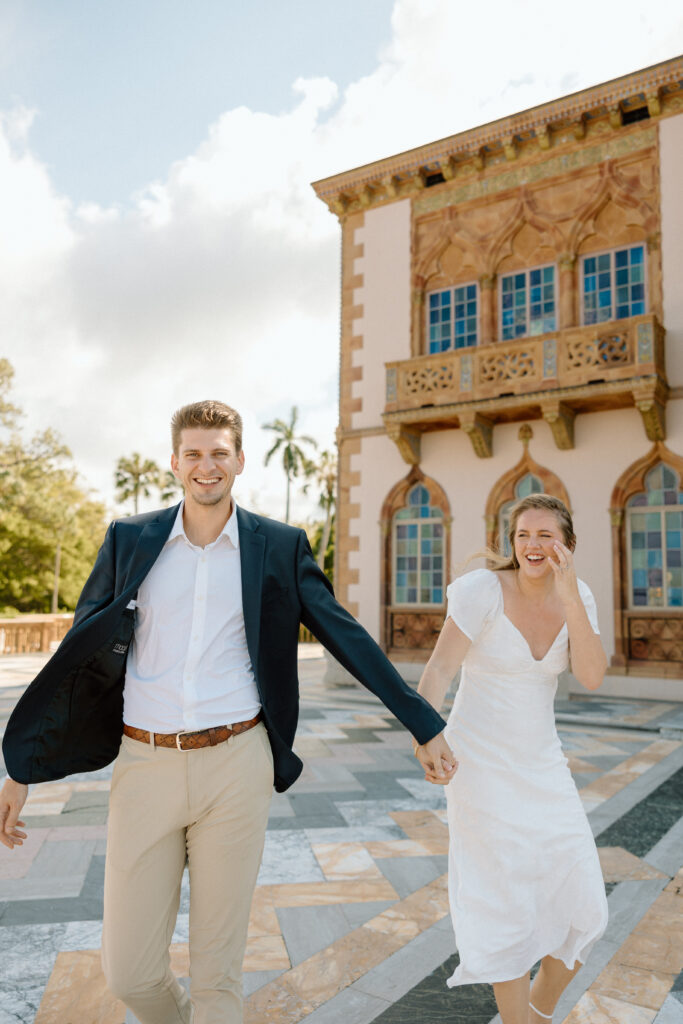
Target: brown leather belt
[[192, 740]]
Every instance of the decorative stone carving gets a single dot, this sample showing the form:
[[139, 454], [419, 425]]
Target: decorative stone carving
[[407, 441], [480, 430], [615, 116], [448, 168], [415, 630], [650, 401], [502, 367], [390, 186], [543, 136], [607, 350], [656, 638], [549, 359], [510, 147], [426, 379], [654, 103], [561, 420]]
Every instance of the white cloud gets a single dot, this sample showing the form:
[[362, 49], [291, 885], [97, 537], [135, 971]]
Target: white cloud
[[222, 279]]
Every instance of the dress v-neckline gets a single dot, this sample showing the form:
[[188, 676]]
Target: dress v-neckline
[[519, 632]]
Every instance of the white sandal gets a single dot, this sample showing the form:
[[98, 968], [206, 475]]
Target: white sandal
[[544, 1015]]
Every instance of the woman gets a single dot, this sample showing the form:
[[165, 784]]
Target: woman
[[524, 877]]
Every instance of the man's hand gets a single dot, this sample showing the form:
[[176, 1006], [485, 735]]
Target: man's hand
[[12, 799], [437, 759]]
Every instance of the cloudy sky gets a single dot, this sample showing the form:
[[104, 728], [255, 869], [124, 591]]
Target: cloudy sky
[[159, 239]]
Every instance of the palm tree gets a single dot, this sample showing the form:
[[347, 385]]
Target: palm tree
[[294, 460], [324, 472], [135, 476], [169, 487]]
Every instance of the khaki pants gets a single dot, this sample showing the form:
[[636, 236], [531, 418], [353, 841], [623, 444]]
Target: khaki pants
[[209, 807]]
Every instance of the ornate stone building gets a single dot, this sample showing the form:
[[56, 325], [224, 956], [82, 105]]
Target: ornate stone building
[[512, 321]]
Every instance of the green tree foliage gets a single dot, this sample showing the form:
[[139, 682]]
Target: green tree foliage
[[323, 473], [315, 536], [135, 477], [295, 462], [46, 517]]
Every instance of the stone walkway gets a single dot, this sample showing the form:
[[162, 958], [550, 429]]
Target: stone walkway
[[350, 919]]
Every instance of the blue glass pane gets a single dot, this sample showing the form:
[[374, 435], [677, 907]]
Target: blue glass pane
[[621, 258], [673, 559], [675, 597], [654, 559], [638, 540], [637, 254], [654, 541]]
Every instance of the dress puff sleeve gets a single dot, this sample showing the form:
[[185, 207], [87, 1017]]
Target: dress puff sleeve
[[589, 604], [473, 600]]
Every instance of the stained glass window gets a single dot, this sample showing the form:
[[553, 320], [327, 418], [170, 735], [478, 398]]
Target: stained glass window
[[614, 285], [452, 318], [655, 527], [527, 301], [418, 551], [529, 484]]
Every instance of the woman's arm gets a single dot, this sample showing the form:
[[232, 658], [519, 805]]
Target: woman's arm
[[588, 657], [446, 659]]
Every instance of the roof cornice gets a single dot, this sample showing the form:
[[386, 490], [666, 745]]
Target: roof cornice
[[569, 118]]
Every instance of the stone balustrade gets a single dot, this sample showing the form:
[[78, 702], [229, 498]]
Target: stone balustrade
[[29, 634], [554, 375]]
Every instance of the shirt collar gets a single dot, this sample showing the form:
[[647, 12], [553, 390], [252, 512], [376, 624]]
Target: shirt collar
[[230, 530]]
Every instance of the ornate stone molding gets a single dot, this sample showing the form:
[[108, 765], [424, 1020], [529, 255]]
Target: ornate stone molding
[[650, 401], [480, 431], [561, 419], [407, 441]]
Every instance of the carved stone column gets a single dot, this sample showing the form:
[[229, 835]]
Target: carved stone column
[[620, 656], [569, 292], [418, 327], [487, 313]]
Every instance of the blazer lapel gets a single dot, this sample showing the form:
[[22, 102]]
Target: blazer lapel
[[252, 552], [148, 548]]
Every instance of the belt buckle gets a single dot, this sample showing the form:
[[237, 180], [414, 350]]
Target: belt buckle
[[184, 732]]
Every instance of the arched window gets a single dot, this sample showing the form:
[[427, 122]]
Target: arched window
[[654, 529], [529, 484], [418, 549]]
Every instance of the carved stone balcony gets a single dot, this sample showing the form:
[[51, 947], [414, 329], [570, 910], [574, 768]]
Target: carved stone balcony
[[554, 376]]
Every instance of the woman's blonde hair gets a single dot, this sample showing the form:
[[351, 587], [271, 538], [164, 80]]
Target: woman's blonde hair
[[542, 503]]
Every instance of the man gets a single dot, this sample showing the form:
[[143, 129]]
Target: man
[[185, 636]]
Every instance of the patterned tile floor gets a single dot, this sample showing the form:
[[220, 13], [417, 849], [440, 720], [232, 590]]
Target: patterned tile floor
[[350, 917]]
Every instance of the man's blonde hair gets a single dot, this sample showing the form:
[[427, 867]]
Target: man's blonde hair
[[208, 415]]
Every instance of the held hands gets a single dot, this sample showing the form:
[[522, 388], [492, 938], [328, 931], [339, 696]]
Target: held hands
[[565, 575], [437, 760], [12, 799]]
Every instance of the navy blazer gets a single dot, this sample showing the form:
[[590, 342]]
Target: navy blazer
[[70, 717]]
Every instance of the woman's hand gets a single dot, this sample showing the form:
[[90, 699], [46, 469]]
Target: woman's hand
[[440, 769], [566, 583]]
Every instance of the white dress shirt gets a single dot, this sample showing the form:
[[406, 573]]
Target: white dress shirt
[[188, 665]]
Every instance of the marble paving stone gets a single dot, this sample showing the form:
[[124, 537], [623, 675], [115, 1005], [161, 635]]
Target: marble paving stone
[[618, 865], [406, 968], [345, 861], [358, 913], [671, 1012], [326, 893], [597, 1009], [87, 906], [359, 834], [408, 874], [396, 848], [287, 857], [58, 868], [633, 985], [617, 806], [468, 1004], [254, 980], [666, 853], [77, 992], [656, 943], [350, 1006], [17, 865], [307, 930]]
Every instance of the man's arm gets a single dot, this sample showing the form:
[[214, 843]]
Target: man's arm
[[355, 649]]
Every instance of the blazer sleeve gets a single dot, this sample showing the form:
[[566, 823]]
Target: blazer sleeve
[[355, 649], [99, 589]]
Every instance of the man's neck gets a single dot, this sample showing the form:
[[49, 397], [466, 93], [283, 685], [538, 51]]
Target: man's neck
[[203, 523]]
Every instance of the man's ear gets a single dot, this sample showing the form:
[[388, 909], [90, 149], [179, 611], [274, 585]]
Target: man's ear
[[174, 465]]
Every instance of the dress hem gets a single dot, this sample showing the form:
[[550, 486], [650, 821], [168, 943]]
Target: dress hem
[[479, 980]]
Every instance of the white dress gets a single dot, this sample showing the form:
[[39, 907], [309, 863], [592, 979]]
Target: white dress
[[524, 874]]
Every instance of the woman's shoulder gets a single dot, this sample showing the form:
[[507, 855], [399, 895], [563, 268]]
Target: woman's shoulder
[[473, 599], [477, 584]]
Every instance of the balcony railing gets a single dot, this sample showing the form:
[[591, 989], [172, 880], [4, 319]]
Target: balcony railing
[[555, 375]]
